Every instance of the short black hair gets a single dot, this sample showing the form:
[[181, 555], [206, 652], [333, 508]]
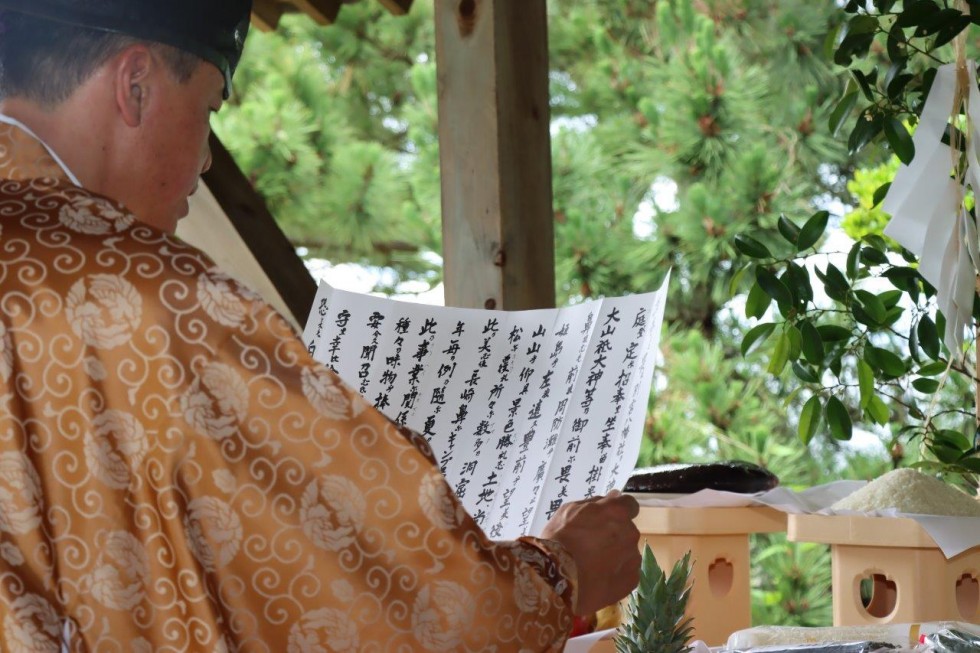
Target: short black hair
[[46, 61]]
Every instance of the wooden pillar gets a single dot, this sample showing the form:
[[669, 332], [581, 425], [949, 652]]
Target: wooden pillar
[[494, 139]]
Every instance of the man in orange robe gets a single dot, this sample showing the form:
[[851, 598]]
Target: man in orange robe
[[176, 473]]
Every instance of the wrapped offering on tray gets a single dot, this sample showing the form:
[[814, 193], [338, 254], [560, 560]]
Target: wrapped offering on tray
[[904, 548], [688, 478], [911, 492]]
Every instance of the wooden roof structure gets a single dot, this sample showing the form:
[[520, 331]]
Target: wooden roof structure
[[495, 155], [266, 13]]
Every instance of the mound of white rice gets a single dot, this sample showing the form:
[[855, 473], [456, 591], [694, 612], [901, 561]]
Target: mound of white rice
[[907, 490]]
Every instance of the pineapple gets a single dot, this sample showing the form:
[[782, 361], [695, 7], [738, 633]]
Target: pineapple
[[655, 621]]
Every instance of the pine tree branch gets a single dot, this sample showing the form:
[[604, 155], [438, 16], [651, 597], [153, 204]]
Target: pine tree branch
[[384, 51]]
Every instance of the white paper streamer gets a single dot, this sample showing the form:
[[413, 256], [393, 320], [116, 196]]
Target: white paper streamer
[[925, 203]]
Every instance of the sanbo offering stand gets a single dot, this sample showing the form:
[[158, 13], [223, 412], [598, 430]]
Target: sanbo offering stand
[[889, 570], [718, 539]]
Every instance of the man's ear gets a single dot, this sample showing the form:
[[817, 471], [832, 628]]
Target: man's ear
[[132, 71]]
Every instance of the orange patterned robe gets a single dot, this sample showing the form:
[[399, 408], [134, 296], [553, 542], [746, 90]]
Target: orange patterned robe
[[177, 474]]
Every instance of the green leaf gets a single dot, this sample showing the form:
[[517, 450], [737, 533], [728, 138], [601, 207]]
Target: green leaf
[[841, 112], [780, 355], [809, 419], [866, 382], [868, 125], [853, 45], [971, 465], [875, 241], [914, 345], [788, 230], [898, 84], [751, 247], [890, 298], [737, 280], [928, 337], [757, 302], [773, 286], [914, 13], [871, 256], [902, 278], [951, 31], [945, 454], [893, 315], [880, 193], [872, 304], [852, 261], [804, 373], [838, 419], [812, 230], [877, 410], [756, 335], [812, 344], [795, 341], [797, 280], [932, 369], [927, 386], [862, 317], [942, 19], [899, 140], [865, 82], [833, 332], [889, 364], [835, 365], [835, 283], [896, 43], [953, 439]]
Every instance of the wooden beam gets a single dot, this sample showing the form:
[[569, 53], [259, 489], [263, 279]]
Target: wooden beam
[[251, 218], [397, 7], [323, 12], [266, 14], [495, 153]]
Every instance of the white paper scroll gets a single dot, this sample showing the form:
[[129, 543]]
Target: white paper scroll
[[925, 202], [524, 410]]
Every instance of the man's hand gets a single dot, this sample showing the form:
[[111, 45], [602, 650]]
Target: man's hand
[[600, 536]]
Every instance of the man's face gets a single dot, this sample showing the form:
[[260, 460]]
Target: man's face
[[174, 144]]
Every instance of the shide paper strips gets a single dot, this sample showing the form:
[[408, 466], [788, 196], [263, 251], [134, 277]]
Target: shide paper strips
[[524, 410], [925, 202]]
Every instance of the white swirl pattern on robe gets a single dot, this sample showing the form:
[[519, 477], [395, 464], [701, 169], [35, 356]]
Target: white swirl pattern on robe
[[104, 310], [443, 612], [121, 571], [216, 401], [437, 502], [214, 532], [20, 494], [88, 215], [324, 630], [115, 448], [177, 474], [32, 626]]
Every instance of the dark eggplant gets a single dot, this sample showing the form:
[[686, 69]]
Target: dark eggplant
[[687, 478]]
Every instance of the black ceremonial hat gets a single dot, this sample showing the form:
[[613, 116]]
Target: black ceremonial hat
[[212, 29]]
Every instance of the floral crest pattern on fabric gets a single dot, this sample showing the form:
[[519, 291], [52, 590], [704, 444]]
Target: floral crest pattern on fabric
[[177, 474]]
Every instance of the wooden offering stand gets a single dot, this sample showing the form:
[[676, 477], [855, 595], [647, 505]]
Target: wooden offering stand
[[889, 570], [718, 539]]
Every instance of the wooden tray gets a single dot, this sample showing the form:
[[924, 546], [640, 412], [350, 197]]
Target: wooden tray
[[857, 530], [710, 521]]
